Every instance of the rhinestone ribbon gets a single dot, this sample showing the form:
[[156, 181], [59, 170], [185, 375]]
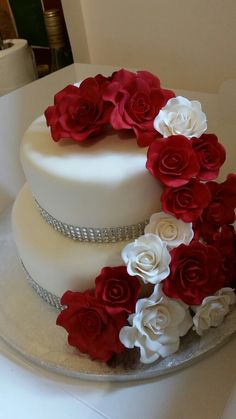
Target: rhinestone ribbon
[[47, 296], [94, 234]]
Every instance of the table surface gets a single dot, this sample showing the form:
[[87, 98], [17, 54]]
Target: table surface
[[205, 390]]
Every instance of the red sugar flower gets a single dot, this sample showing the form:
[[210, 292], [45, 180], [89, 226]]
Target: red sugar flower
[[186, 202], [91, 329], [117, 290], [210, 154], [172, 160], [79, 112], [194, 273], [137, 99], [221, 209]]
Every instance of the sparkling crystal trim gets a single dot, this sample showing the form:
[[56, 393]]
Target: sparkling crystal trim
[[94, 234], [44, 294]]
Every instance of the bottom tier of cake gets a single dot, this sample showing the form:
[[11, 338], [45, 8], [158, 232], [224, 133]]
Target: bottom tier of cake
[[55, 262]]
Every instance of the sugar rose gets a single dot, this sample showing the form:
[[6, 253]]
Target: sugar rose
[[156, 326], [213, 310], [221, 208], [186, 202], [171, 231], [181, 116], [117, 290], [194, 273], [172, 161], [136, 98], [91, 329], [148, 258], [225, 241], [210, 154], [78, 112]]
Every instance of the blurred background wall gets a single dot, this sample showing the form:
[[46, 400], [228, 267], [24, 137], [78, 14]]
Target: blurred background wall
[[190, 44]]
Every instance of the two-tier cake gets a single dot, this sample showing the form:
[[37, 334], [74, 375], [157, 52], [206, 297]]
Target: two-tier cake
[[134, 245]]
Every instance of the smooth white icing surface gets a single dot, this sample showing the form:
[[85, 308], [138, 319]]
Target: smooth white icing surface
[[100, 183], [55, 262]]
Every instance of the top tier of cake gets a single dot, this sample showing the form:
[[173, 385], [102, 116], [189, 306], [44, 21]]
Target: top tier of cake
[[100, 183]]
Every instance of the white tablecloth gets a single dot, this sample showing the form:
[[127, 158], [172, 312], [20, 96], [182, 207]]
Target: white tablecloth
[[205, 390]]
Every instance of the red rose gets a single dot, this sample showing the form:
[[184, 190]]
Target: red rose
[[194, 273], [117, 290], [78, 112], [203, 230], [210, 154], [225, 242], [186, 202], [172, 160], [90, 327], [221, 209], [137, 99]]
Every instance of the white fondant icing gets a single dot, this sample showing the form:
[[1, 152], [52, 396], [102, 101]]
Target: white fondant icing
[[100, 183], [55, 262]]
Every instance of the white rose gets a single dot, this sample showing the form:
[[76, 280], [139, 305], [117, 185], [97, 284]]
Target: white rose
[[156, 326], [171, 231], [213, 310], [181, 116], [148, 258]]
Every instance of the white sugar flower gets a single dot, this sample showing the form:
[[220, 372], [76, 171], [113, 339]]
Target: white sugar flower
[[171, 231], [156, 326], [213, 310], [148, 258], [181, 116]]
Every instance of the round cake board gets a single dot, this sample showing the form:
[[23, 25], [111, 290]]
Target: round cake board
[[28, 325]]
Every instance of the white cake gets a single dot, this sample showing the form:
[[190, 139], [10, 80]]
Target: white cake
[[88, 194], [94, 186]]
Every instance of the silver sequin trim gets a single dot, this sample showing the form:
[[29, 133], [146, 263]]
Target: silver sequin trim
[[44, 294], [92, 234]]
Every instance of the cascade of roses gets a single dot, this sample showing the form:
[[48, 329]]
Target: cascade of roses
[[187, 254], [185, 167]]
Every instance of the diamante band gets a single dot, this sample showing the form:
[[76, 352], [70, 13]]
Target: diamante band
[[93, 234], [47, 296]]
